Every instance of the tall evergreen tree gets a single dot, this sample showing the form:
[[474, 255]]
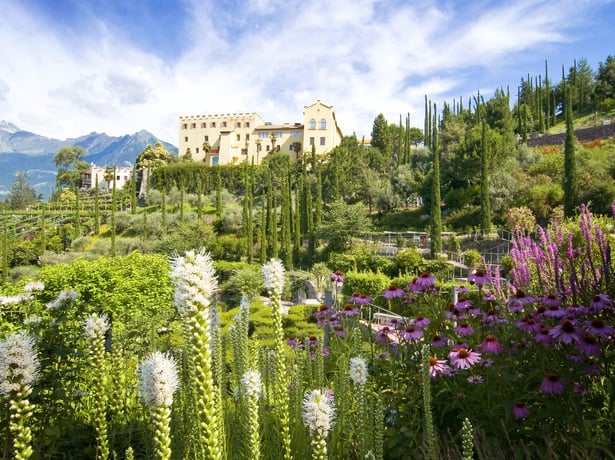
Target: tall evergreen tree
[[318, 205], [570, 185], [218, 193], [113, 211], [485, 206], [436, 212], [263, 243]]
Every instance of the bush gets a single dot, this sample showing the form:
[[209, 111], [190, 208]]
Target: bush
[[472, 258], [81, 243], [371, 284], [409, 260]]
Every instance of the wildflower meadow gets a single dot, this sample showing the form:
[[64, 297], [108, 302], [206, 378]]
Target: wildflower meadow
[[497, 366]]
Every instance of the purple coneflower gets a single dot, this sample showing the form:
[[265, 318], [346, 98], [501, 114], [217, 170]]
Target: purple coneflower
[[360, 299], [475, 379], [551, 300], [462, 289], [349, 310], [421, 321], [565, 332], [464, 358], [599, 328], [520, 410], [528, 324], [479, 277], [464, 329], [392, 292], [383, 335], [438, 367], [337, 277], [588, 345], [552, 384], [491, 345], [395, 323], [463, 303], [544, 337], [600, 301], [425, 281], [576, 310], [411, 332], [438, 341]]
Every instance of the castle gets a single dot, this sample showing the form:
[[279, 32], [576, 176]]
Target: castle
[[235, 138]]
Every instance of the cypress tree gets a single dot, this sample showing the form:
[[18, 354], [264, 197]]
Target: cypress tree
[[297, 222], [318, 205], [286, 225], [218, 193], [133, 192], [5, 253], [570, 185], [407, 144], [547, 97], [485, 206], [275, 253], [436, 212], [113, 209], [163, 209], [263, 231], [96, 208], [245, 211], [77, 213], [43, 235]]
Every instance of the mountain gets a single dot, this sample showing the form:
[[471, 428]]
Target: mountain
[[26, 151]]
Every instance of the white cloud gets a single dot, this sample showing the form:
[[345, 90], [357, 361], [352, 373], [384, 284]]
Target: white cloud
[[363, 57]]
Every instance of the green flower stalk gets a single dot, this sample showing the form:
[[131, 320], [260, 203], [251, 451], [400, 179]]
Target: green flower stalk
[[467, 440], [252, 388], [19, 369], [158, 381], [426, 392], [95, 329], [195, 284], [238, 334], [273, 274], [318, 417]]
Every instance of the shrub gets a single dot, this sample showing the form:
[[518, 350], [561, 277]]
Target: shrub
[[472, 258], [371, 284], [409, 260]]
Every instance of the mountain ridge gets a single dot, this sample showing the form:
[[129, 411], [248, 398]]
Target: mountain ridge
[[22, 150]]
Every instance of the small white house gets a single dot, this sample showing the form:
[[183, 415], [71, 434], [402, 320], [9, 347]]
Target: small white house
[[103, 175]]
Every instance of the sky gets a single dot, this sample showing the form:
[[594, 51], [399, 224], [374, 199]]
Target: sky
[[72, 67]]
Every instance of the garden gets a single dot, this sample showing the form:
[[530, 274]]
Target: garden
[[131, 357]]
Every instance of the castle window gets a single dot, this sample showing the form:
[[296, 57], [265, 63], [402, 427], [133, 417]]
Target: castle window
[[311, 141], [239, 124], [238, 137], [247, 124], [213, 124], [247, 137], [224, 124], [185, 126], [203, 125], [186, 139], [193, 125], [206, 138], [312, 124], [322, 141], [323, 124]]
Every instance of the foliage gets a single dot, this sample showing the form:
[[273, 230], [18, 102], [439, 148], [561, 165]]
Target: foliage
[[22, 194], [367, 283], [71, 165], [341, 223]]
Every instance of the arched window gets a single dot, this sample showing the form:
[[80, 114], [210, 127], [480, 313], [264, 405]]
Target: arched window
[[323, 124], [312, 124]]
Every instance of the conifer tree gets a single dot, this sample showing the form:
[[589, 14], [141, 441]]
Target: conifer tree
[[485, 206], [436, 212], [570, 185], [77, 213], [218, 193], [263, 243], [318, 205], [113, 210]]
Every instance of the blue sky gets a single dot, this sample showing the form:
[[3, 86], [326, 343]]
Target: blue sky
[[70, 67]]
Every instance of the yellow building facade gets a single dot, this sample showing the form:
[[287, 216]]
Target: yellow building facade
[[235, 138]]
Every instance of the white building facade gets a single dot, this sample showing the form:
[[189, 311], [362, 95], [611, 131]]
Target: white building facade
[[235, 138]]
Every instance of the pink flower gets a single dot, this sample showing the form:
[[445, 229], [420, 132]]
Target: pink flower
[[438, 341], [421, 321], [599, 328], [438, 367], [411, 332], [588, 345], [337, 277], [392, 292], [360, 299], [565, 332], [349, 310], [491, 345], [520, 410], [464, 358], [464, 329], [423, 283], [544, 337], [479, 277], [552, 384]]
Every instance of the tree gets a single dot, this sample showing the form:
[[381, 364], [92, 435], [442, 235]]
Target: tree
[[22, 193], [342, 222], [148, 160], [570, 186], [380, 134], [604, 89], [71, 166]]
